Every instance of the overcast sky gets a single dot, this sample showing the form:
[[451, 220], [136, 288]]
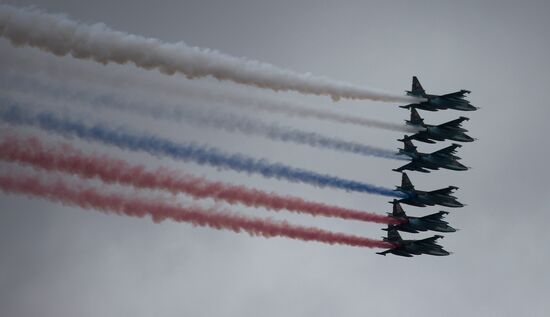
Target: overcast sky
[[64, 261]]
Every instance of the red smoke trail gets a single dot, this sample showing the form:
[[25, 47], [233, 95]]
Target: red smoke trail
[[136, 206], [70, 160]]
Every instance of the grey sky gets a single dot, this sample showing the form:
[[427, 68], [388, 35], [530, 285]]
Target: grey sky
[[60, 261]]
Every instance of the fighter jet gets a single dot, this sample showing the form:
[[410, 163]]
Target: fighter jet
[[423, 162], [411, 224], [420, 198], [454, 100], [451, 130], [409, 248]]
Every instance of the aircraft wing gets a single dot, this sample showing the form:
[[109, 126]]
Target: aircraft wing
[[423, 105], [431, 240], [396, 251], [444, 191], [421, 136], [436, 217], [412, 202], [454, 124], [384, 252], [448, 151], [402, 253], [458, 94], [412, 166]]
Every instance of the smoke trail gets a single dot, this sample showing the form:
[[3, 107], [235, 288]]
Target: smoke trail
[[246, 125], [136, 206], [219, 120], [61, 36], [186, 152], [291, 109], [65, 158], [189, 91]]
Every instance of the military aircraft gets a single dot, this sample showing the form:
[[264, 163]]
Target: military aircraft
[[451, 130], [411, 224], [423, 162], [454, 100], [409, 248], [420, 198]]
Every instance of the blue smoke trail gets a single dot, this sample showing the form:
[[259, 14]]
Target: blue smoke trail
[[186, 152]]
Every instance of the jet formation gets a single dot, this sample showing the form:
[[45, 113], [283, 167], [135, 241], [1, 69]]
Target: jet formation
[[426, 162]]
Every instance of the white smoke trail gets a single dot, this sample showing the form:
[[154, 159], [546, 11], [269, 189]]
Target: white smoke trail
[[61, 36], [198, 92]]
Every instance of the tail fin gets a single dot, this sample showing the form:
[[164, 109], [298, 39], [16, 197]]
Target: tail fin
[[393, 234], [416, 119], [417, 89], [409, 146], [397, 210], [406, 182]]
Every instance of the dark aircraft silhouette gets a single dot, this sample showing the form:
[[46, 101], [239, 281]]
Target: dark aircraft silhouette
[[454, 100], [451, 130], [423, 162], [420, 198], [411, 224], [409, 248]]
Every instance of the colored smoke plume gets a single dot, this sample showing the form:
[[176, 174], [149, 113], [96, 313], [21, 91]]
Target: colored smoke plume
[[65, 158], [133, 205]]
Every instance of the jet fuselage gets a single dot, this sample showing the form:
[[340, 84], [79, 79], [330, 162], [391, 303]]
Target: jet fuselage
[[421, 198], [442, 134], [435, 103], [424, 160], [417, 224], [417, 247]]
